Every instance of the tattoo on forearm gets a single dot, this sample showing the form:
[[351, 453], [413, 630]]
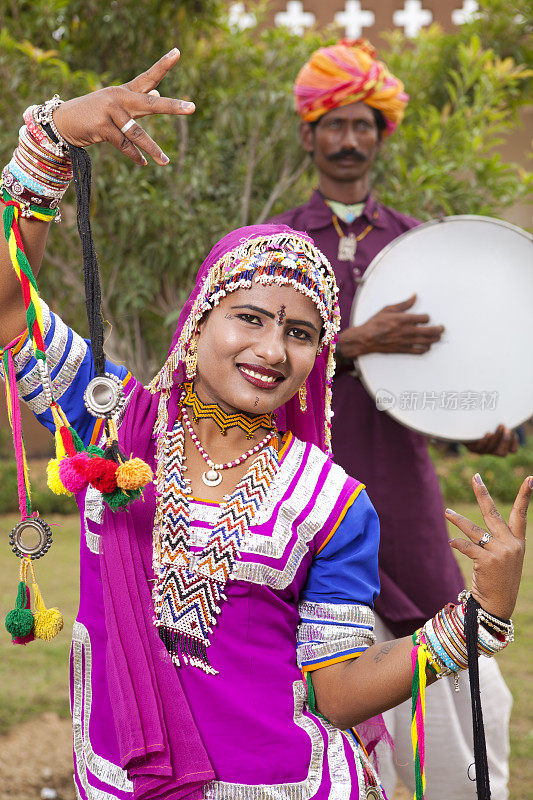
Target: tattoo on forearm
[[384, 650], [256, 402]]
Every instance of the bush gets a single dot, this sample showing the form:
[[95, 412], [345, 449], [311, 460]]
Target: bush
[[43, 500], [502, 476]]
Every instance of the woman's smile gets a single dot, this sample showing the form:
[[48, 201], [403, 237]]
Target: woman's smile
[[260, 376]]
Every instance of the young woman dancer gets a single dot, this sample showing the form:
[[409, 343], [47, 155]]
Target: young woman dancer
[[223, 646]]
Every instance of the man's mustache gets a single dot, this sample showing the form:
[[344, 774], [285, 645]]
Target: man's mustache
[[347, 153]]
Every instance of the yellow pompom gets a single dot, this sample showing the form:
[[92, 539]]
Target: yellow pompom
[[133, 474], [53, 480], [47, 623]]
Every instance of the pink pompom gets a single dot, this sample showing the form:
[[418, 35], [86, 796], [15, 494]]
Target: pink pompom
[[73, 472]]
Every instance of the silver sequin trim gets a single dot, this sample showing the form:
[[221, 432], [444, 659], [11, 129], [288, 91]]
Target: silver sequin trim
[[275, 546], [94, 510], [54, 353], [26, 352], [339, 771], [85, 757], [65, 376], [204, 513], [326, 640], [304, 790], [94, 505], [310, 652], [347, 613], [326, 632]]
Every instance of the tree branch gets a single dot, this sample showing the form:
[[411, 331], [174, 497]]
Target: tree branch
[[286, 180]]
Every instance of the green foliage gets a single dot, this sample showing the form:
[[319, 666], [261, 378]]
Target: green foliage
[[503, 476], [43, 500], [464, 103], [238, 160]]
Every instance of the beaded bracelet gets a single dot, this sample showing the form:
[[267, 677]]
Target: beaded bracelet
[[445, 639], [504, 627], [39, 172], [44, 115]]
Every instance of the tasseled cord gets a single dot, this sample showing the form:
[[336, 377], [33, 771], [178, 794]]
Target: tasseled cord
[[21, 622], [419, 660], [480, 747], [418, 706], [119, 480]]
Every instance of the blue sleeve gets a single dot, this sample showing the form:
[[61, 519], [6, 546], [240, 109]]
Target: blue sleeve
[[346, 569], [71, 366], [336, 620]]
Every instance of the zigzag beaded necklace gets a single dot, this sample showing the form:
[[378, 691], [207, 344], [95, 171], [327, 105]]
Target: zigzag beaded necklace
[[212, 476], [224, 421], [189, 588]]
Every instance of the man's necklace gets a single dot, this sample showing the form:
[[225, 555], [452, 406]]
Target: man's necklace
[[348, 243]]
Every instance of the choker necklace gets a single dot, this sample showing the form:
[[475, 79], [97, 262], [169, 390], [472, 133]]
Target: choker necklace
[[212, 476], [224, 421]]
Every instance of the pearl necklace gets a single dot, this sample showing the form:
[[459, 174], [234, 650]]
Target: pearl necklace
[[212, 476]]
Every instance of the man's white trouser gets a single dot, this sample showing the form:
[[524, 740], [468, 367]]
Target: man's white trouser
[[449, 750]]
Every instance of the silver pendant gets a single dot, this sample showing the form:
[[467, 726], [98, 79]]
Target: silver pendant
[[347, 247], [31, 538], [211, 477], [104, 395], [373, 793]]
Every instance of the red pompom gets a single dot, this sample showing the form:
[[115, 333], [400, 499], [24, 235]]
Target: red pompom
[[101, 473]]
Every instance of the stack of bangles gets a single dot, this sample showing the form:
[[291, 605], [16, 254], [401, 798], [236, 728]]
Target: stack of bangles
[[444, 638], [39, 172]]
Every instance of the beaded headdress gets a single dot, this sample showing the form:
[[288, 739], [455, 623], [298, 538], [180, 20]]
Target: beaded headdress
[[268, 254]]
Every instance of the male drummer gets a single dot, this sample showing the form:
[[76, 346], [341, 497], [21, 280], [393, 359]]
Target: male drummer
[[349, 103]]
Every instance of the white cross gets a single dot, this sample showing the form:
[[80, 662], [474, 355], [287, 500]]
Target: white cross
[[353, 19], [239, 18], [295, 18], [465, 14], [412, 17]]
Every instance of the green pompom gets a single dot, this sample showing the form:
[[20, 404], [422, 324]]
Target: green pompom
[[119, 499], [19, 622], [78, 444], [93, 451]]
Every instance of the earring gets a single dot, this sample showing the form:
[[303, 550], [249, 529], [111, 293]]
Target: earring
[[302, 394], [191, 360]]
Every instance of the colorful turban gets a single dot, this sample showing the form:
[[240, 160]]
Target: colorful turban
[[344, 73]]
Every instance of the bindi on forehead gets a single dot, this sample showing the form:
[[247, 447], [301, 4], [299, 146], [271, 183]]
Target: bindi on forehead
[[281, 314]]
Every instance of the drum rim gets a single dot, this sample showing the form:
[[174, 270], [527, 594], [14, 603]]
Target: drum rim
[[373, 264]]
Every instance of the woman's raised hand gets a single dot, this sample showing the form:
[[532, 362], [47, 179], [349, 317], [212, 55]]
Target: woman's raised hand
[[497, 551], [101, 115]]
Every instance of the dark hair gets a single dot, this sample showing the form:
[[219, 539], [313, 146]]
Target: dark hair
[[379, 119]]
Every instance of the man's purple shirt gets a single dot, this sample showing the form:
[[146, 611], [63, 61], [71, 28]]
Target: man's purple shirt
[[418, 571]]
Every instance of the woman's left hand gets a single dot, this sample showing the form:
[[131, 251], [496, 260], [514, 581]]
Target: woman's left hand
[[499, 557]]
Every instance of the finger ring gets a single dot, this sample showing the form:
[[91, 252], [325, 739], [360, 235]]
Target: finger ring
[[485, 539], [127, 126]]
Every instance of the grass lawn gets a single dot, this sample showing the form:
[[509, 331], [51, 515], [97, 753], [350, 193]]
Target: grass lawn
[[35, 678]]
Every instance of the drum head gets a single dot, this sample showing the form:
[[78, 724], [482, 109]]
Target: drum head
[[474, 275]]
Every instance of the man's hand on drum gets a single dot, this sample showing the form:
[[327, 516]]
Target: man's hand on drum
[[108, 115], [496, 550], [500, 443], [391, 330]]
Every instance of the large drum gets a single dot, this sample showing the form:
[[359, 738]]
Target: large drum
[[474, 275]]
